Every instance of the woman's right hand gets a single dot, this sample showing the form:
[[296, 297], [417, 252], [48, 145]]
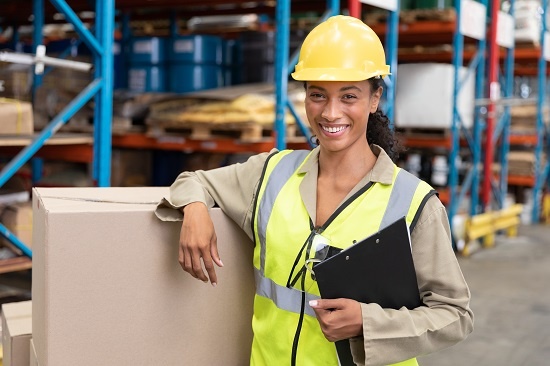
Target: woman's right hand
[[198, 240]]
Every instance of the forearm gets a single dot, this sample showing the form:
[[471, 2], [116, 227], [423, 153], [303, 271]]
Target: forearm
[[391, 336]]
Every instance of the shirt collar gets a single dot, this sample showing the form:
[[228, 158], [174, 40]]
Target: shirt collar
[[382, 172]]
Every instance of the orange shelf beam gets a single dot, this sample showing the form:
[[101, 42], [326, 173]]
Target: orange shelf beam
[[78, 153], [181, 143], [443, 195], [523, 140], [423, 32], [519, 180], [425, 142]]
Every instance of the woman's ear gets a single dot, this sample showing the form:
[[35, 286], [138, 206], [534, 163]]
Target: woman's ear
[[375, 100]]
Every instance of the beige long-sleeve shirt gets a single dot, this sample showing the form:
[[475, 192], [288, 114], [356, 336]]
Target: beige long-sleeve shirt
[[389, 335]]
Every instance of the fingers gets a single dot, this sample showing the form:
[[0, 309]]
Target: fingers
[[214, 251], [338, 318], [327, 304]]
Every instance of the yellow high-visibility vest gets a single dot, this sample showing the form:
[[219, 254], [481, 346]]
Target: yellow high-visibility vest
[[281, 226]]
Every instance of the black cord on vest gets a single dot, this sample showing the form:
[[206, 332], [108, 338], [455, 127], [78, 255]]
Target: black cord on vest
[[299, 327], [309, 242]]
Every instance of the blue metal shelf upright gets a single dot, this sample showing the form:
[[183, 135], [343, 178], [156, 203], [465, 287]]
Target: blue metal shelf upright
[[101, 89], [543, 133], [283, 67], [471, 182]]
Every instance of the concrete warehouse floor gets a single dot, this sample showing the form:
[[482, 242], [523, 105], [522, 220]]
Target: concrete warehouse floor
[[510, 287]]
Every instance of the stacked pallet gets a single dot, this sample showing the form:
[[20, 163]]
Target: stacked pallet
[[413, 15], [524, 119], [523, 163], [246, 115]]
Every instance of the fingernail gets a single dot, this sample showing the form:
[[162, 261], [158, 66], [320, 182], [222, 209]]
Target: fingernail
[[221, 262], [214, 284], [205, 281], [313, 303]]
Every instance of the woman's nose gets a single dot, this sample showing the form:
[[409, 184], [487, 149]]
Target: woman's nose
[[331, 111]]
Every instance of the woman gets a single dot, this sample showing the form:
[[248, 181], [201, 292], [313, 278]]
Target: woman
[[346, 188]]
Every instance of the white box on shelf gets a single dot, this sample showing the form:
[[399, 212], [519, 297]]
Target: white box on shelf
[[424, 96], [108, 288]]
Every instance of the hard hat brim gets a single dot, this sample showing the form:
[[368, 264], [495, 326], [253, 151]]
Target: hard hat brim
[[335, 75]]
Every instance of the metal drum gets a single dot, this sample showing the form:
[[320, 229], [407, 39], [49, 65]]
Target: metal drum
[[147, 65], [195, 63]]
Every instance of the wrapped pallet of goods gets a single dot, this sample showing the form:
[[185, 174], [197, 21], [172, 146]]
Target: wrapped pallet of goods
[[248, 116], [528, 21], [524, 119], [424, 96]]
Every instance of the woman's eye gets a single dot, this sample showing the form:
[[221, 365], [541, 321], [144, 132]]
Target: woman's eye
[[316, 95], [349, 97]]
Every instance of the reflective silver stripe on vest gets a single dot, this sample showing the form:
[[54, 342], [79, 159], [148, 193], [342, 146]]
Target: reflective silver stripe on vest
[[400, 198], [277, 179], [284, 298]]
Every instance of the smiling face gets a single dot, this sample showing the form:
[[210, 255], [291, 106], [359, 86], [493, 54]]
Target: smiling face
[[338, 112]]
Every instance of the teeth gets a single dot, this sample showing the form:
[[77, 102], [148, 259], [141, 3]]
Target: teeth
[[333, 129]]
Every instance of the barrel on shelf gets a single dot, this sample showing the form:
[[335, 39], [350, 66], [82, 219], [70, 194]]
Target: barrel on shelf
[[120, 77], [434, 4], [195, 63], [258, 54], [147, 65]]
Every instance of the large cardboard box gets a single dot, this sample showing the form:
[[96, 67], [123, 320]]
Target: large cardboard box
[[16, 117], [424, 96], [16, 333], [108, 289]]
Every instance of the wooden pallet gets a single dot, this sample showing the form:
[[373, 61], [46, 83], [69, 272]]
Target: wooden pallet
[[120, 126], [246, 132], [412, 16], [15, 264]]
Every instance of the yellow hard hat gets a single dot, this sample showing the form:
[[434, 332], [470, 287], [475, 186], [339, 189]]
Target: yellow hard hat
[[341, 49]]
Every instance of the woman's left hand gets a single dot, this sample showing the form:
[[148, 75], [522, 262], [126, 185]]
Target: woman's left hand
[[339, 318]]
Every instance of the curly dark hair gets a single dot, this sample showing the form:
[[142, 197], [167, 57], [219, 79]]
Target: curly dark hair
[[378, 129]]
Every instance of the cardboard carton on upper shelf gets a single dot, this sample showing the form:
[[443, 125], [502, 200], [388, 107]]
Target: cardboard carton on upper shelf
[[18, 219], [424, 96], [16, 117], [106, 277], [16, 333]]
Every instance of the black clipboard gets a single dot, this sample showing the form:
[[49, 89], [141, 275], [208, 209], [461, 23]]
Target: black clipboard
[[378, 269]]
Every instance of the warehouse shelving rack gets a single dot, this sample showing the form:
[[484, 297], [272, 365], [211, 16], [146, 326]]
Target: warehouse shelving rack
[[391, 41], [454, 32], [100, 89], [543, 133], [533, 61], [497, 133]]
